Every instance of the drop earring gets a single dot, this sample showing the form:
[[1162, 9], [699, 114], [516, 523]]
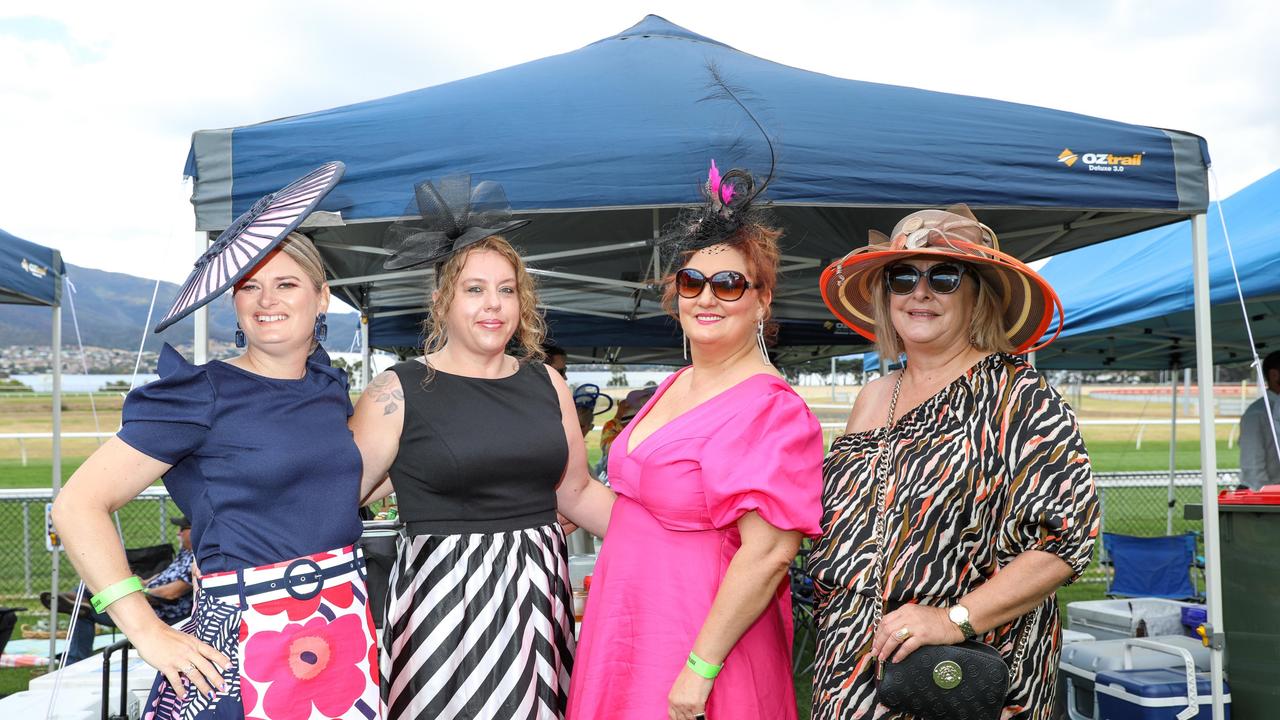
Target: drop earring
[[764, 352], [240, 342], [684, 344], [322, 328]]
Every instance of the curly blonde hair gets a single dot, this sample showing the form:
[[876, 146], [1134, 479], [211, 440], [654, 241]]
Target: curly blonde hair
[[532, 329]]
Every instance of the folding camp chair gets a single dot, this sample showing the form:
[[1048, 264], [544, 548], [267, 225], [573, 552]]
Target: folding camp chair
[[802, 613], [1158, 567], [8, 619], [147, 561]]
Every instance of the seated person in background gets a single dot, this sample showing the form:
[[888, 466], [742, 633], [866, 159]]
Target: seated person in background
[[586, 399], [1259, 459], [627, 409], [169, 593], [556, 359]]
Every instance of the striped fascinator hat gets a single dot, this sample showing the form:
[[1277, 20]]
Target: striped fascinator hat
[[249, 240]]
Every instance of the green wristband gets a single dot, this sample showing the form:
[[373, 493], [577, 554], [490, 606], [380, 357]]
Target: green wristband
[[115, 591], [702, 667]]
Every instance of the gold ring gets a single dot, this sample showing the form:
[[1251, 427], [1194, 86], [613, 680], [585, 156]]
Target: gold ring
[[902, 633]]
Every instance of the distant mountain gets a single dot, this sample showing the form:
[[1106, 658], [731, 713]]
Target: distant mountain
[[112, 309]]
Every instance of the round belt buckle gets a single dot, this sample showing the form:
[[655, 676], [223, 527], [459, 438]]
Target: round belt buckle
[[947, 674], [292, 578]]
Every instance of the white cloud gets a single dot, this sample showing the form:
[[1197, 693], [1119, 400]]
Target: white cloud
[[99, 99]]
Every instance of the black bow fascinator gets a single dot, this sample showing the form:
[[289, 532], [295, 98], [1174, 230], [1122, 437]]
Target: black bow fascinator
[[452, 215]]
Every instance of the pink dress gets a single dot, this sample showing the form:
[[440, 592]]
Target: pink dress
[[671, 536]]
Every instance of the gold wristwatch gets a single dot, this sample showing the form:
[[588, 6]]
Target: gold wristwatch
[[959, 615]]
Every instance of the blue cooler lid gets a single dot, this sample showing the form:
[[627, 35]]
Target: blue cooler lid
[[1157, 682]]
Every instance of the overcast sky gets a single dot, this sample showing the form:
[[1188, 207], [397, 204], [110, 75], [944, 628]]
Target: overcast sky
[[98, 99]]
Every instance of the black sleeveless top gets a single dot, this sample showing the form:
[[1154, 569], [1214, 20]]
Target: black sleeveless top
[[478, 455]]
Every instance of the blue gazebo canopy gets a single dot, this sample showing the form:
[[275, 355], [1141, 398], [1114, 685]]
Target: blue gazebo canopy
[[1129, 302], [30, 274], [603, 144]]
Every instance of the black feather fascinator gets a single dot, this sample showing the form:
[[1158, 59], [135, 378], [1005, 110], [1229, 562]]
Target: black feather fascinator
[[729, 200]]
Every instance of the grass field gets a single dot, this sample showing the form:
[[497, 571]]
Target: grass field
[[1111, 448]]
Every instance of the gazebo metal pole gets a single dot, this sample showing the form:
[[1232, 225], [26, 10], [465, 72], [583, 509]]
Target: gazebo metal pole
[[55, 560], [366, 373], [1173, 451], [200, 341], [1208, 458]]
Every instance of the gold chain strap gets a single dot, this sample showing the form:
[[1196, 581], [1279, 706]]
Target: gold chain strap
[[882, 479]]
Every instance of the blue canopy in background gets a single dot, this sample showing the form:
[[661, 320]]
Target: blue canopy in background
[[1129, 302], [30, 274], [602, 145]]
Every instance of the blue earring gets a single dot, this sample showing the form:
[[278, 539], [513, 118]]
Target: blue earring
[[322, 329], [239, 336]]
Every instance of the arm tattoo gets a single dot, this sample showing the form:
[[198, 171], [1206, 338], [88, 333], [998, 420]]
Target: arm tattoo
[[381, 391]]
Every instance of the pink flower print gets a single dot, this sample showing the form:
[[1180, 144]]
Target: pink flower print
[[248, 699], [309, 665]]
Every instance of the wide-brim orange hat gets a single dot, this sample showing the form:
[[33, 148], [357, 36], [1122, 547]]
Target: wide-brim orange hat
[[1028, 302]]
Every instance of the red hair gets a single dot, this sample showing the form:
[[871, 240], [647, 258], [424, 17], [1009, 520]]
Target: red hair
[[759, 247]]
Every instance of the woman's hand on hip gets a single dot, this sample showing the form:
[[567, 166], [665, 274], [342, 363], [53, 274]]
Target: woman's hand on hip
[[176, 654], [688, 697], [910, 627]]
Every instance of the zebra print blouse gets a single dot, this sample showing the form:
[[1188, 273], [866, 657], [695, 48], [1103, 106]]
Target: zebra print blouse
[[991, 466]]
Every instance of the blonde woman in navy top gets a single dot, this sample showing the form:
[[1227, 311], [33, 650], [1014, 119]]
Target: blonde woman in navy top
[[281, 628]]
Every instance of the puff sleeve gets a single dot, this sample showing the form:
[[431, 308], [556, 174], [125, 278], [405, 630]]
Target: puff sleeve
[[168, 418], [766, 458], [320, 363], [1051, 504]]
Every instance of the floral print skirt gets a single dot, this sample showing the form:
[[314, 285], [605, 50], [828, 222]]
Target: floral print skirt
[[300, 636]]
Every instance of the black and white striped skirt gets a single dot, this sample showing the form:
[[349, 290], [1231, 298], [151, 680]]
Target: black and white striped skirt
[[479, 625]]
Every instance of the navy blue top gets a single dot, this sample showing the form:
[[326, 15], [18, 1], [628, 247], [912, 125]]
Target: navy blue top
[[265, 468]]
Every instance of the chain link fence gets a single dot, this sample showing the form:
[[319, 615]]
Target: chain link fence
[[1132, 503], [1138, 503], [25, 561]]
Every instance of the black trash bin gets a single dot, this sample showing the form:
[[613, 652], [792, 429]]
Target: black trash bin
[[1249, 527]]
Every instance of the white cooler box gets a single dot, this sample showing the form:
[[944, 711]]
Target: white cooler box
[[1117, 619], [1060, 702], [1082, 661]]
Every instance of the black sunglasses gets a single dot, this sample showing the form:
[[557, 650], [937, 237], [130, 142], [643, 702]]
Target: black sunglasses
[[728, 285], [944, 278]]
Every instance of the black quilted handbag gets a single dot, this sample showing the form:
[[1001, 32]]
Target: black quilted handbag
[[968, 681]]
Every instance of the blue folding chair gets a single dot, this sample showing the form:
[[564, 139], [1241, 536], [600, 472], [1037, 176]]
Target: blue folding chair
[[1158, 567]]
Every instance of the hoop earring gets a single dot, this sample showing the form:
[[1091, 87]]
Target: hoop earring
[[322, 328], [764, 352], [240, 341]]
